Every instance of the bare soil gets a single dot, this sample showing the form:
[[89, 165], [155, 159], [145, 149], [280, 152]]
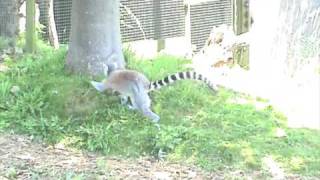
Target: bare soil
[[23, 158]]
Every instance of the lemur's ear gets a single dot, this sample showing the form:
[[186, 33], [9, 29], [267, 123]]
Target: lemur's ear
[[112, 67], [111, 64], [99, 86]]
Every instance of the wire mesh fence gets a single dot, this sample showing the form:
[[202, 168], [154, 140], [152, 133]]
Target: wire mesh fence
[[204, 16], [142, 19], [139, 19], [62, 17]]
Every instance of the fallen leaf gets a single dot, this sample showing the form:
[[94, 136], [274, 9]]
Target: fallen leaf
[[3, 68]]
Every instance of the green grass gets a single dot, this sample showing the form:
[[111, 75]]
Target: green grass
[[198, 126]]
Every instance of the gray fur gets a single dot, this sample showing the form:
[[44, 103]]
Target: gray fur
[[99, 86], [141, 100]]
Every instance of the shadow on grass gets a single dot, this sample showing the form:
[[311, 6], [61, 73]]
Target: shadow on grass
[[213, 130]]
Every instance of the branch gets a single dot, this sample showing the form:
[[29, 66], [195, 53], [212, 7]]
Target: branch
[[130, 13]]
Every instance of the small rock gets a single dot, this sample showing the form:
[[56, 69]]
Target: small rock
[[59, 146], [55, 92], [161, 175], [280, 133], [192, 174], [15, 89], [3, 68], [26, 156]]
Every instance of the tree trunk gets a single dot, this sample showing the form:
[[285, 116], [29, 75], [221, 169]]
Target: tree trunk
[[297, 34], [95, 36], [9, 18]]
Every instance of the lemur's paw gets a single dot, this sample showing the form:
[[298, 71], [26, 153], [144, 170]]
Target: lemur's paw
[[131, 107], [155, 118]]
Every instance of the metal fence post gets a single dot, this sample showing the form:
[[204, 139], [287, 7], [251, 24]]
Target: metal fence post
[[187, 29]]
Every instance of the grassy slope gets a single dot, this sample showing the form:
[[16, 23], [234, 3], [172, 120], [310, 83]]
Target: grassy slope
[[214, 131]]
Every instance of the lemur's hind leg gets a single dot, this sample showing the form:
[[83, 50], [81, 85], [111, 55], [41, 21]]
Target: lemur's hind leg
[[148, 113], [125, 101], [141, 100]]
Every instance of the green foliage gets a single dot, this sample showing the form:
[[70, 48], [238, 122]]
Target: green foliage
[[159, 67], [309, 47], [198, 126]]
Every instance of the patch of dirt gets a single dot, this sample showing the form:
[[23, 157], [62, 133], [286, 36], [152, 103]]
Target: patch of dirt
[[22, 158]]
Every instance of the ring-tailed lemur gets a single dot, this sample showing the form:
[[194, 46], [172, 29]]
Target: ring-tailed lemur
[[134, 85]]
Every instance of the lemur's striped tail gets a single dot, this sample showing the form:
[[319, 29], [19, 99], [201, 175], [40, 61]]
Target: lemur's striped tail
[[180, 76]]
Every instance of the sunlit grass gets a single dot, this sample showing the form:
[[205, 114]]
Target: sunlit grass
[[212, 130]]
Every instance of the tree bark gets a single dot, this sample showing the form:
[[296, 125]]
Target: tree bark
[[9, 18], [52, 31], [95, 37]]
